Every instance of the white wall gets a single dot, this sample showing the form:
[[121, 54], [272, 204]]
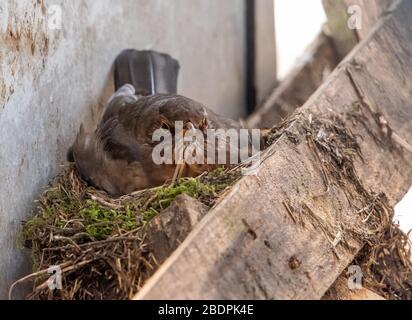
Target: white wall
[[403, 212], [298, 22]]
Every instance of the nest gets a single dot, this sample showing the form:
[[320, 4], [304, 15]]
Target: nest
[[98, 242], [387, 265], [385, 258]]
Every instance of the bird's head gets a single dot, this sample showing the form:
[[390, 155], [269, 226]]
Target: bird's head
[[180, 109], [179, 116]]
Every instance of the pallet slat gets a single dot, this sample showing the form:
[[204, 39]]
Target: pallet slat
[[317, 62], [338, 16], [248, 246]]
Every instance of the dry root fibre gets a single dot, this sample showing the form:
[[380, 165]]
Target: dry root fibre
[[99, 242]]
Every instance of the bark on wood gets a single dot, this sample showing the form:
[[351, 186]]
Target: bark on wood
[[338, 15], [168, 230], [316, 64], [248, 246]]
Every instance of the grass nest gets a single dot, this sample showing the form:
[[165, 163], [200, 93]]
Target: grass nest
[[385, 258], [98, 242], [386, 264]]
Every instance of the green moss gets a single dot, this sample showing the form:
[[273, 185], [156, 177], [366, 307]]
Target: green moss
[[167, 194], [218, 172], [61, 206], [100, 222], [45, 217], [149, 214]]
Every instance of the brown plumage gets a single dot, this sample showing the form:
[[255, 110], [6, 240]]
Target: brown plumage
[[117, 156]]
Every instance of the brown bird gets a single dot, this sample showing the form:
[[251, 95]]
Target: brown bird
[[117, 156]]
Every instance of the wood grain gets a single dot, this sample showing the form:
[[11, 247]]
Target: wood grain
[[340, 291], [317, 62], [248, 246], [169, 228], [337, 13]]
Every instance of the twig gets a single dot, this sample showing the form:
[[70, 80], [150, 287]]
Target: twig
[[32, 275], [289, 211], [324, 175], [104, 203]]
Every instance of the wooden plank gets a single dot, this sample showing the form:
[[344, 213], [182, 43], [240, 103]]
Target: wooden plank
[[320, 58], [169, 228], [361, 294], [317, 62], [266, 72], [338, 15], [248, 246], [340, 291]]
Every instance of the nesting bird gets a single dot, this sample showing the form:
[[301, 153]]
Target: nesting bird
[[118, 156]]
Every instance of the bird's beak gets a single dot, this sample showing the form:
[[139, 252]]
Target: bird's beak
[[189, 126]]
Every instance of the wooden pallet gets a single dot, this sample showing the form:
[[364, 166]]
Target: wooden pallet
[[250, 245]]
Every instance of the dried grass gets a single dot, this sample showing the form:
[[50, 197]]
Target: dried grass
[[386, 256], [99, 241]]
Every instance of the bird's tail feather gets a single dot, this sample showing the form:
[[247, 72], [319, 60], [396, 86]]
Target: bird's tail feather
[[149, 72]]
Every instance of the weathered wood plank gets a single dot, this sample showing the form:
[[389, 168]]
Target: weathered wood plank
[[248, 246], [319, 59], [169, 229], [340, 291], [266, 68], [317, 62], [339, 15]]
